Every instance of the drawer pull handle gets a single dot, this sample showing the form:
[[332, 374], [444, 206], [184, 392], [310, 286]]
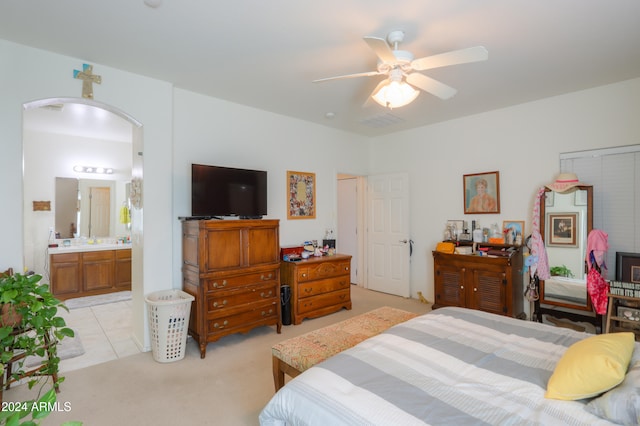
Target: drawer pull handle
[[308, 290], [475, 289], [220, 305], [461, 287], [216, 325], [263, 294], [266, 277], [346, 268], [216, 285], [304, 275], [267, 313]]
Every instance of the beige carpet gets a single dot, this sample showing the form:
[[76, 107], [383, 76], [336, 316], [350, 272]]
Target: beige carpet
[[229, 387]]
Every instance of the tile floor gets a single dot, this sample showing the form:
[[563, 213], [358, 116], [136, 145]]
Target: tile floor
[[105, 332]]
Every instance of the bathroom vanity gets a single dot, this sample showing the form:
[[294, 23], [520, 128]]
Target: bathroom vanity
[[88, 270]]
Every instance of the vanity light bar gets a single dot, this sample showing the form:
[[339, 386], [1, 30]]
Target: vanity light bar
[[90, 169]]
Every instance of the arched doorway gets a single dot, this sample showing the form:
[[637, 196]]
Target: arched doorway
[[85, 116]]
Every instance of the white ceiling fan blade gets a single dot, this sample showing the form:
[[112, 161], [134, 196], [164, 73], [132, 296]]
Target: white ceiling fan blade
[[338, 77], [381, 49], [462, 56], [370, 100], [430, 85]]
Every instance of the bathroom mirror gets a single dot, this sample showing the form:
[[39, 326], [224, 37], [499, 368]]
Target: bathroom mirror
[[565, 222], [89, 207]]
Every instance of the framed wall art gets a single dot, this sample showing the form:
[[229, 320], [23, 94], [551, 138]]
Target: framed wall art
[[628, 267], [562, 229], [481, 193], [301, 199]]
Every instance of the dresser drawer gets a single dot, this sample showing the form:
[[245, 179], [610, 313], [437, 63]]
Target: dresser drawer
[[257, 313], [314, 288], [310, 304], [223, 301], [230, 282], [323, 270]]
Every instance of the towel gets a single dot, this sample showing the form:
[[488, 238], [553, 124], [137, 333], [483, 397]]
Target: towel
[[598, 243], [125, 217], [539, 263]]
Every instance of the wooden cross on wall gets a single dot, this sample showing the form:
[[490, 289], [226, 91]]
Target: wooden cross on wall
[[88, 78]]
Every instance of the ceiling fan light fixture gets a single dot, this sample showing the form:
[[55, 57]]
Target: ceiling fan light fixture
[[395, 94]]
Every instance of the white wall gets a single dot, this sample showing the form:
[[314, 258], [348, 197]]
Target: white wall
[[30, 74], [523, 143], [47, 156], [216, 132]]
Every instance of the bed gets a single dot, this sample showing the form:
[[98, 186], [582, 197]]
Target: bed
[[450, 366]]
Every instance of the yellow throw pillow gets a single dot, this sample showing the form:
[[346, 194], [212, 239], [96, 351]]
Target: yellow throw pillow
[[591, 366]]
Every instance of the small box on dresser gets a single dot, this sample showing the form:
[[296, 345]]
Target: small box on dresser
[[232, 268], [319, 285]]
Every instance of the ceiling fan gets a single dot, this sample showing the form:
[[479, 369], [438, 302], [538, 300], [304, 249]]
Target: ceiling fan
[[398, 88]]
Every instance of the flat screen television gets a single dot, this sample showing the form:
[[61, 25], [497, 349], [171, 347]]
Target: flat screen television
[[225, 191]]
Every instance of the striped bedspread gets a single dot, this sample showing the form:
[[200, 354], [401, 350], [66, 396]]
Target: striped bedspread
[[452, 366]]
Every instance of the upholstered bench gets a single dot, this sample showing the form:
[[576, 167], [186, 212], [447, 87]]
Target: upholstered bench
[[295, 355]]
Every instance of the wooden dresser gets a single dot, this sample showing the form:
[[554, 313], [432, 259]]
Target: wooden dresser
[[232, 268], [486, 283], [319, 285]]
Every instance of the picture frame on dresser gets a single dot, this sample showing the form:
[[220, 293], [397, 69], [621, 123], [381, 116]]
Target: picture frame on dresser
[[301, 201]]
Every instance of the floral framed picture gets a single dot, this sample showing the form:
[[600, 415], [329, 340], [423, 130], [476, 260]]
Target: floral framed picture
[[481, 193], [562, 229], [301, 199]]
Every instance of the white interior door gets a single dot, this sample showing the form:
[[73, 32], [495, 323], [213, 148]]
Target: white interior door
[[388, 234], [100, 207]]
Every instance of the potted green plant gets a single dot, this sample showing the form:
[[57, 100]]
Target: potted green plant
[[30, 326], [561, 271]]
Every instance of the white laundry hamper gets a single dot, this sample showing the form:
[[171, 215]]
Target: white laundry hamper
[[168, 313]]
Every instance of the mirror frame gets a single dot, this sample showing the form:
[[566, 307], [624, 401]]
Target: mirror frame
[[589, 189]]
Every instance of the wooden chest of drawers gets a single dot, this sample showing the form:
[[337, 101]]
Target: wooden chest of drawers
[[232, 268], [319, 285]]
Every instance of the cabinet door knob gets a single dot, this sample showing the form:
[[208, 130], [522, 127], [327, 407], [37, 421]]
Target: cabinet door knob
[[461, 287], [475, 289], [304, 275]]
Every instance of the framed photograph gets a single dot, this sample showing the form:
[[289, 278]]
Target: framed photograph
[[481, 193], [301, 190], [549, 197], [562, 229], [512, 230], [459, 224], [628, 267], [580, 198]]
